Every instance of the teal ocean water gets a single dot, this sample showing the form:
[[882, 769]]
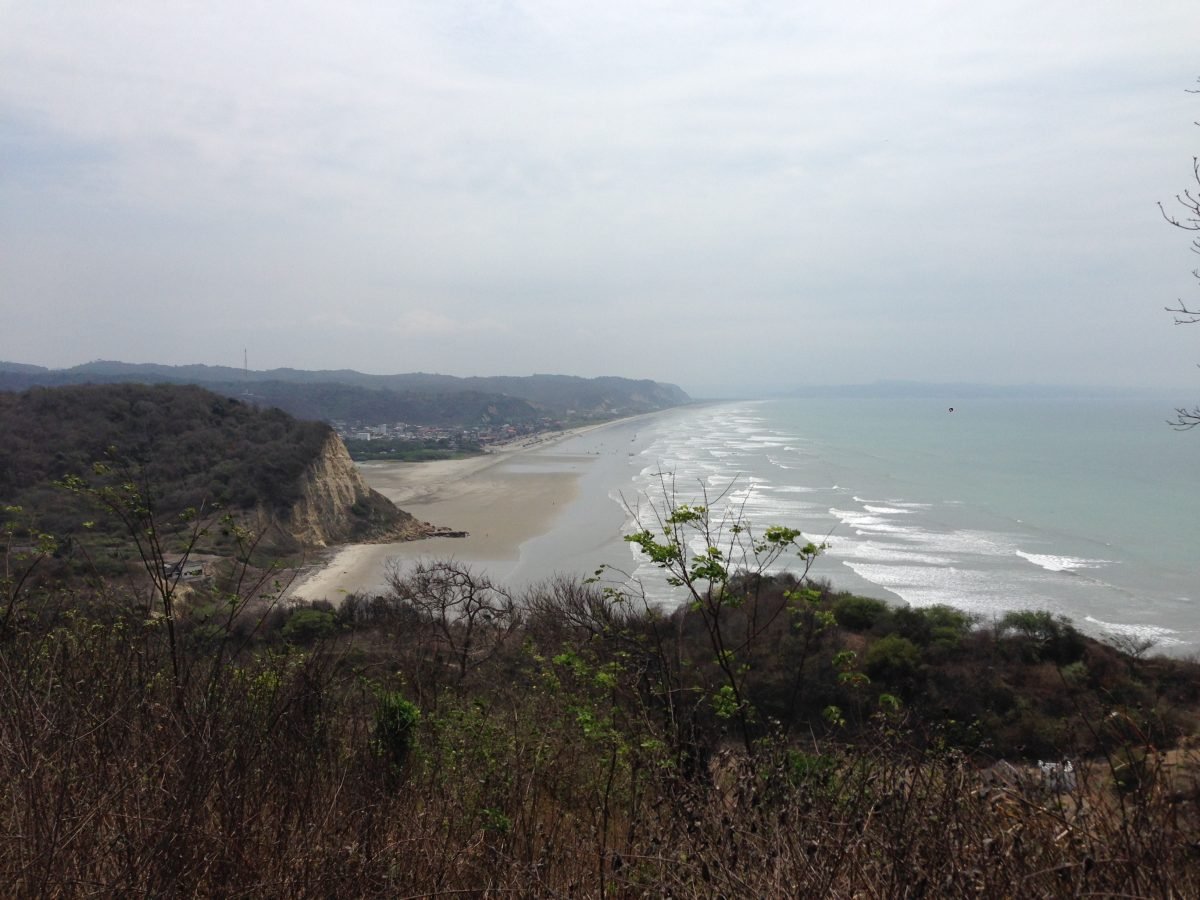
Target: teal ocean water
[[1088, 508]]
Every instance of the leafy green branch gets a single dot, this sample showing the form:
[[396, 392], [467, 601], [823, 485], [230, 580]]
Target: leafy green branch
[[720, 562]]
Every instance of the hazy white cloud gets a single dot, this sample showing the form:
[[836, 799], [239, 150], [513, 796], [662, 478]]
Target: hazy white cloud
[[692, 191]]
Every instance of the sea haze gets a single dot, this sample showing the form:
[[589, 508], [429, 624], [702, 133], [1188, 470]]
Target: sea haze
[[1082, 507]]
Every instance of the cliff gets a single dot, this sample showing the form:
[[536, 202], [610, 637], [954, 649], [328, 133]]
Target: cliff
[[336, 505]]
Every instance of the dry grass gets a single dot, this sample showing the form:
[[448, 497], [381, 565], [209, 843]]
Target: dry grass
[[550, 769]]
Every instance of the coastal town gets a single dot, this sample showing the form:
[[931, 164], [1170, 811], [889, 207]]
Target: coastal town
[[386, 439]]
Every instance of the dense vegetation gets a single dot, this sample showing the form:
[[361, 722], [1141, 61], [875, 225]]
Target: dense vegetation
[[769, 737], [192, 445], [410, 450], [348, 403], [174, 447], [418, 398]]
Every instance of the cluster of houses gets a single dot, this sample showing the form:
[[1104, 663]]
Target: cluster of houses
[[453, 436]]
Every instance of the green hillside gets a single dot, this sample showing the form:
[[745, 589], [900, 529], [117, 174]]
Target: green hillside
[[174, 447]]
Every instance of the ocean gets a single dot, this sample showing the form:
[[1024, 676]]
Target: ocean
[[1085, 507]]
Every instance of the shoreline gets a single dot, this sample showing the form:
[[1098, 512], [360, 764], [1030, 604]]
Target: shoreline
[[510, 495], [900, 528]]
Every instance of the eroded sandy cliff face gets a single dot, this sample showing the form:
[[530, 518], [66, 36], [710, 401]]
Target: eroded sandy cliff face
[[336, 505]]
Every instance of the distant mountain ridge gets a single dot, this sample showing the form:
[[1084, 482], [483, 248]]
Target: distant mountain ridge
[[419, 398]]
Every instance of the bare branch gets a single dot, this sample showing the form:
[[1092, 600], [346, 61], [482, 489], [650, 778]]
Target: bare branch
[[471, 615], [1185, 419], [1185, 314]]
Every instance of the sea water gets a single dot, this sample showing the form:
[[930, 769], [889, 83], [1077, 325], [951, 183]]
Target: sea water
[[1086, 508]]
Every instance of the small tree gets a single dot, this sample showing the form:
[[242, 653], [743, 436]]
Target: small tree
[[125, 491], [720, 562], [306, 626], [893, 659], [396, 721], [1187, 313], [858, 613], [24, 548], [470, 616], [1044, 635]]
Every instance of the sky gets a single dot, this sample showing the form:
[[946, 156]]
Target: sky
[[724, 195]]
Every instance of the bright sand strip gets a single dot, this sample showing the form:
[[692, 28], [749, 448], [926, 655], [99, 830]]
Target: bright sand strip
[[502, 499]]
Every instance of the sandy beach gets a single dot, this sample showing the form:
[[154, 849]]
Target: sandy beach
[[512, 497]]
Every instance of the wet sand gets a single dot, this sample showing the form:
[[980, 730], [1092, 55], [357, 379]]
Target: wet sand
[[514, 496]]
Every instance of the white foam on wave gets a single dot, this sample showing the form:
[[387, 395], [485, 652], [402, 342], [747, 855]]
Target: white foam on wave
[[869, 523], [865, 523], [762, 507], [882, 552], [655, 471], [857, 519], [1052, 563], [964, 542], [1148, 632], [891, 505], [981, 543], [678, 456], [898, 531], [966, 589], [887, 510], [721, 483]]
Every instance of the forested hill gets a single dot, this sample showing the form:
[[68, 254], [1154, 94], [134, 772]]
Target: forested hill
[[183, 446], [418, 398]]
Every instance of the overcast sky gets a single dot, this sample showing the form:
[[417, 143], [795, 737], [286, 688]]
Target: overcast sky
[[738, 193]]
